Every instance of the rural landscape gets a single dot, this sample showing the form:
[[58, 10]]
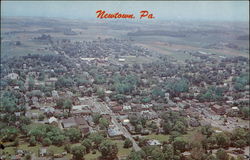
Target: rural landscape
[[109, 90]]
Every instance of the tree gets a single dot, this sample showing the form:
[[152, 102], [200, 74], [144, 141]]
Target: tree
[[41, 117], [179, 144], [57, 139], [31, 83], [97, 138], [240, 143], [27, 157], [59, 103], [167, 127], [87, 144], [128, 143], [108, 149], [138, 128], [9, 133], [222, 140], [16, 142], [46, 142], [64, 82], [96, 117], [67, 148], [180, 127], [178, 86], [74, 134], [134, 156], [101, 93], [104, 123], [78, 152], [168, 151], [32, 141], [222, 155], [245, 112], [207, 130], [157, 93], [211, 157], [67, 105], [157, 154]]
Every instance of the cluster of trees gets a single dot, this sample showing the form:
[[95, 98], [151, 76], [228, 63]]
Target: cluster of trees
[[99, 120], [213, 93], [173, 121], [241, 82], [93, 142], [198, 146], [64, 104], [125, 84], [64, 82], [177, 86], [239, 138], [138, 121]]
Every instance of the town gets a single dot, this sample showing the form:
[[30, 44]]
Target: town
[[119, 90], [86, 93]]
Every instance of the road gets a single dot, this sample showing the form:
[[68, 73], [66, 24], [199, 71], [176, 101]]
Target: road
[[103, 107]]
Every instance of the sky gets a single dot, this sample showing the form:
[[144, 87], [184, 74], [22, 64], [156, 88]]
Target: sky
[[162, 10]]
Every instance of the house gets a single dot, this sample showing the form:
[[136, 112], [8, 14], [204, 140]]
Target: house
[[76, 100], [175, 109], [80, 110], [153, 142], [84, 112], [149, 115], [113, 104], [114, 132], [125, 121], [53, 121], [15, 157], [220, 110], [42, 152], [51, 81], [117, 109], [82, 125], [108, 92], [12, 76], [79, 107], [17, 114], [106, 116], [54, 94], [16, 87], [121, 60], [49, 110], [186, 154], [69, 122], [130, 128], [31, 115], [126, 108], [194, 122]]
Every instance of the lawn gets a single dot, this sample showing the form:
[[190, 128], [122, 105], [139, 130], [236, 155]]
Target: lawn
[[159, 137], [162, 138], [122, 152], [25, 146], [91, 156]]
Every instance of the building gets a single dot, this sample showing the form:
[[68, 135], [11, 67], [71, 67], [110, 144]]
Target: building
[[82, 125], [153, 142], [53, 121], [69, 122], [12, 76], [114, 132], [220, 110], [121, 60]]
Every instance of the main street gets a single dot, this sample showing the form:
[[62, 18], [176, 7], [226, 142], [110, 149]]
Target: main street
[[103, 107]]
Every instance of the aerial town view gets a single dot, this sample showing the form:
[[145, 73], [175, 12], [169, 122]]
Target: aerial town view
[[172, 83]]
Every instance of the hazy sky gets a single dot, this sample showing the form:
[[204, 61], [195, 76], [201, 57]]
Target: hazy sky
[[169, 10]]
